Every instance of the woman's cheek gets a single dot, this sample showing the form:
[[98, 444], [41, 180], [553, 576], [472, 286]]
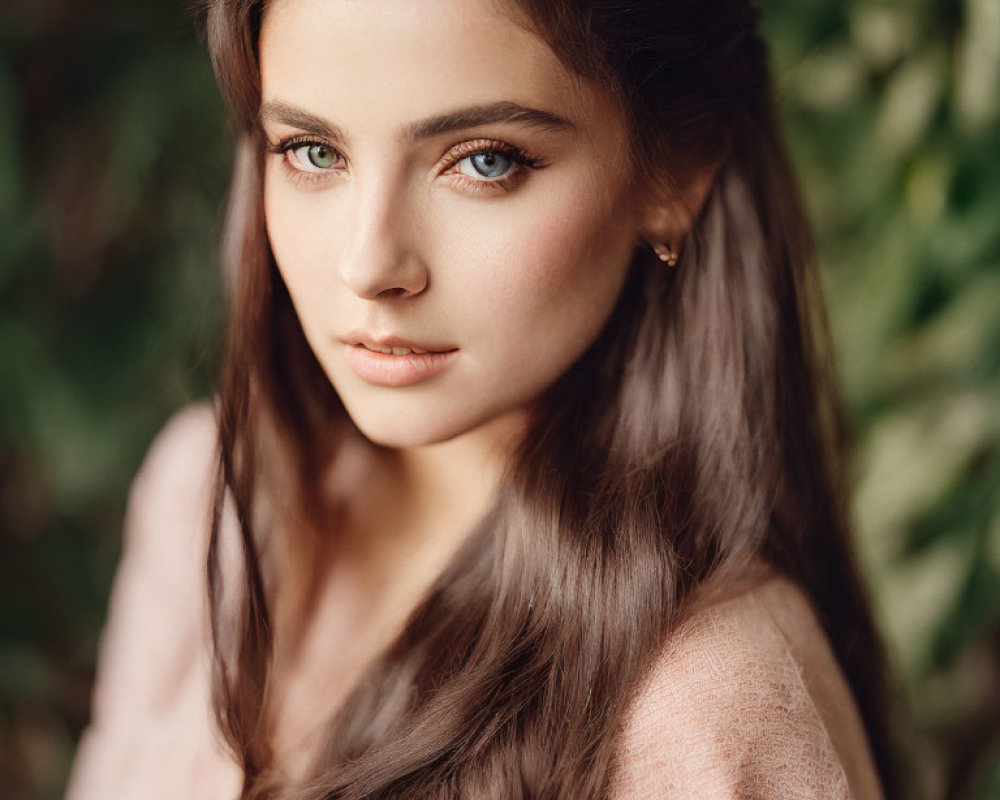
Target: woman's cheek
[[567, 263], [541, 255], [305, 256]]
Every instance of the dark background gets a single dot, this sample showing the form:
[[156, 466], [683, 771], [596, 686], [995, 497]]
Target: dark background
[[114, 159]]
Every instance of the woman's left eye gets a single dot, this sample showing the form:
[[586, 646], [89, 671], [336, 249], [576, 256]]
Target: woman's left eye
[[488, 164], [492, 166]]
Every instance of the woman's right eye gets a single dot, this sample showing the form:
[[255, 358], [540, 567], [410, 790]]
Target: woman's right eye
[[313, 156]]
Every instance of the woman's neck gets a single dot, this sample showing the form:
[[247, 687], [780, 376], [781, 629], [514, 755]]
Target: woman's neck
[[421, 502], [405, 514]]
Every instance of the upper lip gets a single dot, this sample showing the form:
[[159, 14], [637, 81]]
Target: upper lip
[[386, 340]]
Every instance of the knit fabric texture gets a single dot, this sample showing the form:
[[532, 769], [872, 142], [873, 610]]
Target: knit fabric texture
[[747, 701]]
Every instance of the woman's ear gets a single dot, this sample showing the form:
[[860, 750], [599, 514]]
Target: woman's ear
[[670, 206]]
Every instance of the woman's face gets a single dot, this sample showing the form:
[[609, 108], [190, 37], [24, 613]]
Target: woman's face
[[401, 209]]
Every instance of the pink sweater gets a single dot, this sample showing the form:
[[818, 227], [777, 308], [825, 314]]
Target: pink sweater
[[747, 701]]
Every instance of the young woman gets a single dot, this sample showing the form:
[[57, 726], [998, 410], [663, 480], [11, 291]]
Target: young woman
[[523, 478]]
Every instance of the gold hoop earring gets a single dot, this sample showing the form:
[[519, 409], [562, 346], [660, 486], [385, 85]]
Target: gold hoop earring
[[666, 254]]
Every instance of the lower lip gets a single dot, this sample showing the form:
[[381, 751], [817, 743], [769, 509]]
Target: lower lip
[[384, 369]]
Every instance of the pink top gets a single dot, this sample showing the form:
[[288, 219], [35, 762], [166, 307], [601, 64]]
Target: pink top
[[747, 700]]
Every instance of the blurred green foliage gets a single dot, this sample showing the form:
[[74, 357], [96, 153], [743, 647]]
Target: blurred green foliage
[[114, 160], [893, 112]]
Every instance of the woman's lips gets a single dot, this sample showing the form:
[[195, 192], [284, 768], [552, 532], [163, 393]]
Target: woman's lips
[[389, 342], [384, 369]]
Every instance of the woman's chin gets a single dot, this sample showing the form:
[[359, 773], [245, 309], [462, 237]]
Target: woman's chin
[[411, 427], [396, 438], [401, 430]]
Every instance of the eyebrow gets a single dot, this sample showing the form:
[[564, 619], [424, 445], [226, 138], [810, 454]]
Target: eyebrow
[[469, 117]]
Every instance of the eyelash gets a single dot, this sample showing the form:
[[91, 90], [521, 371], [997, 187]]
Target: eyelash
[[464, 150]]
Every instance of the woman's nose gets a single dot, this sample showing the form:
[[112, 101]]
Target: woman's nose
[[380, 258]]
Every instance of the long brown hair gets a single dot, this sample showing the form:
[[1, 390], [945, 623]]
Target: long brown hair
[[700, 430]]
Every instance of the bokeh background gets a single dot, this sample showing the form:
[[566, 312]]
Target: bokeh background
[[114, 159]]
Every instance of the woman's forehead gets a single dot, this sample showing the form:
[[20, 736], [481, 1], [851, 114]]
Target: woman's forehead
[[388, 62]]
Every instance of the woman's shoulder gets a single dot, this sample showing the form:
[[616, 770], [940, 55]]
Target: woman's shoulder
[[181, 458], [167, 523], [150, 700], [156, 610], [746, 700]]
